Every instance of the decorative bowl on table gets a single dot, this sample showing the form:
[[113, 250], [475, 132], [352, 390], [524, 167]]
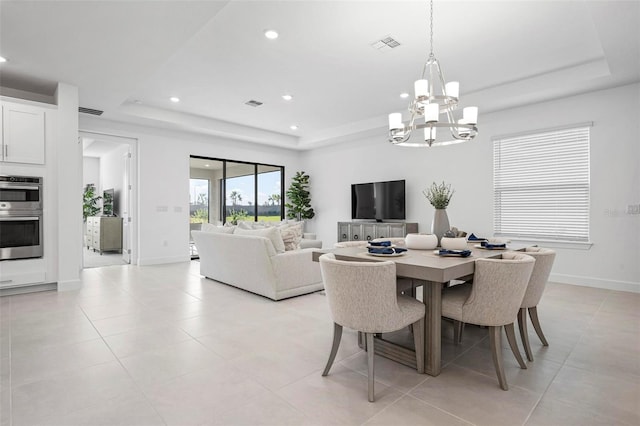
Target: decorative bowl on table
[[421, 241], [453, 243]]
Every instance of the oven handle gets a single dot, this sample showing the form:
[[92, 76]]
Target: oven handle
[[32, 188], [18, 218]]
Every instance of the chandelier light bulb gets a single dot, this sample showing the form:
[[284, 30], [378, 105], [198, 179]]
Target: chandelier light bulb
[[395, 121], [429, 134], [470, 115], [421, 88], [452, 89], [431, 113]]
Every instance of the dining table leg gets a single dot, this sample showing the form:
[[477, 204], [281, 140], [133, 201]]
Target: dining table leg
[[432, 297]]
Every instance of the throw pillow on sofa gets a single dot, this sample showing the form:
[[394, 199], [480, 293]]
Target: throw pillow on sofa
[[291, 235], [210, 227], [272, 234]]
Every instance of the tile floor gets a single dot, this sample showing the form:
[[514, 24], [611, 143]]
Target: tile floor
[[160, 345], [92, 259]]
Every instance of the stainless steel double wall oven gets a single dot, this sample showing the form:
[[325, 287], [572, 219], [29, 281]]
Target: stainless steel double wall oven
[[20, 217]]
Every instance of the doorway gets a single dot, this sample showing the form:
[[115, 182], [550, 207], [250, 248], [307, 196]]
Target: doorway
[[109, 182]]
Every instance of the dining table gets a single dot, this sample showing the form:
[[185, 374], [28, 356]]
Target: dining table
[[430, 270]]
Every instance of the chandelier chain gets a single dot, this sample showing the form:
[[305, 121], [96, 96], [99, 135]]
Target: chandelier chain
[[431, 29]]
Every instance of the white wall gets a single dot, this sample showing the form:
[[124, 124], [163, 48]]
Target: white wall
[[612, 261], [163, 180], [90, 171]]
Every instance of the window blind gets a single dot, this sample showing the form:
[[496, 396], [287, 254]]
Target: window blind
[[541, 185]]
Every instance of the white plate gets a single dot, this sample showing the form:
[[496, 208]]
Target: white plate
[[379, 247], [495, 248], [387, 255]]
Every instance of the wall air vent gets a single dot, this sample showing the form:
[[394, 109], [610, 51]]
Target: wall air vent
[[253, 103], [385, 43], [90, 111]]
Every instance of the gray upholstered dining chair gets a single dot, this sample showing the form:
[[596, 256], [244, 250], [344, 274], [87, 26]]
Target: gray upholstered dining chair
[[492, 300], [403, 285], [539, 277], [362, 296]]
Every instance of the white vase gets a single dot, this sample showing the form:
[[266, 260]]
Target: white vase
[[440, 223]]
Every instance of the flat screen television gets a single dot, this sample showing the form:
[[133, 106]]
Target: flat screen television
[[378, 200]]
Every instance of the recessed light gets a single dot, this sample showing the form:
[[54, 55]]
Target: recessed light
[[3, 59], [174, 99], [293, 127], [287, 97], [404, 95], [271, 34], [207, 165]]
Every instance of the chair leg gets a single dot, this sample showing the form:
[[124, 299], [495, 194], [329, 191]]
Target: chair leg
[[524, 334], [370, 355], [418, 341], [337, 335], [533, 314], [511, 338], [457, 331], [495, 336]]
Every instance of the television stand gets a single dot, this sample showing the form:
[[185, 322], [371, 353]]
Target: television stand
[[365, 231]]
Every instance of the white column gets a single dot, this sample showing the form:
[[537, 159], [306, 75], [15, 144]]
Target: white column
[[69, 188]]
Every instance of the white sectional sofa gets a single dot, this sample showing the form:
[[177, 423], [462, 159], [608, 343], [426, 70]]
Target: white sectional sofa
[[251, 262]]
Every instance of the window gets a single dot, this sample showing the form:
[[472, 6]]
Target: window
[[199, 200], [541, 185]]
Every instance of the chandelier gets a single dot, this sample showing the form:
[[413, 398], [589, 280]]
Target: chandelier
[[433, 108]]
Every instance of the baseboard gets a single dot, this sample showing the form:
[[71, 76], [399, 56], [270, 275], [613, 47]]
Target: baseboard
[[69, 285], [630, 286], [27, 289], [162, 260]]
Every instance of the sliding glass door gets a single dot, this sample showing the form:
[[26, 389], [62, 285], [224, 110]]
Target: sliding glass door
[[239, 190], [199, 200], [270, 194]]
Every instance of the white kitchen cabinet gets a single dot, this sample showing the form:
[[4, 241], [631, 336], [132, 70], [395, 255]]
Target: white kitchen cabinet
[[23, 133]]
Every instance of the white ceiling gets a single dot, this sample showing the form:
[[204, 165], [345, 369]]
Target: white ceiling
[[129, 57]]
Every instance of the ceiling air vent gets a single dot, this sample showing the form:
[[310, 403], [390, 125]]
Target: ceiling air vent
[[253, 103], [385, 43], [90, 111]]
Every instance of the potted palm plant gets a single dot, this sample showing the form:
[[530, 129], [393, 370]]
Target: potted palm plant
[[90, 201]]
